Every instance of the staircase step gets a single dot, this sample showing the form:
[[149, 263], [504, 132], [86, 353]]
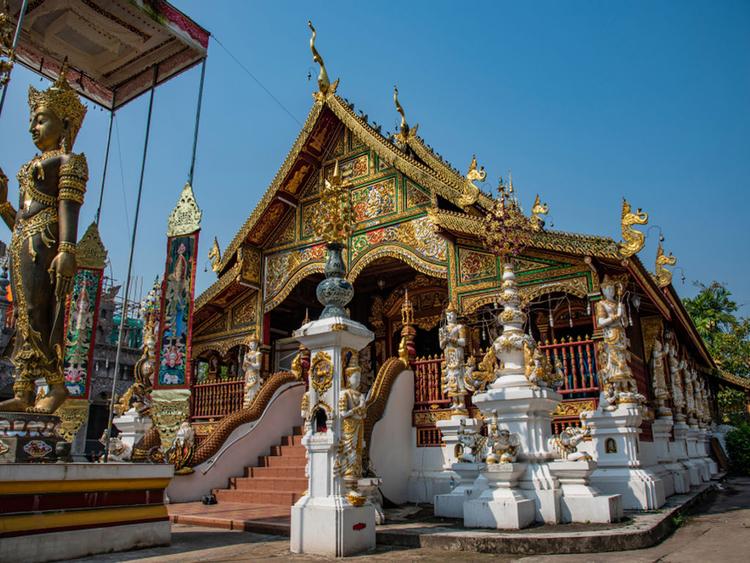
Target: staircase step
[[270, 484], [290, 451], [281, 461], [277, 472], [295, 440], [284, 498]]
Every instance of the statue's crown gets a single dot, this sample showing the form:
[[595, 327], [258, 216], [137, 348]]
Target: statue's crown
[[62, 100], [451, 307]]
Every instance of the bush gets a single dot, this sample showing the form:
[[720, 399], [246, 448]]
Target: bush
[[738, 448], [731, 406]]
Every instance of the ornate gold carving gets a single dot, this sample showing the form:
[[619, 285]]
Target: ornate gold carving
[[325, 88], [400, 253], [471, 192], [72, 413], [632, 239], [169, 409], [652, 328], [332, 221], [186, 215], [250, 259], [574, 408], [321, 372], [663, 276], [91, 252], [215, 255], [246, 312], [537, 210]]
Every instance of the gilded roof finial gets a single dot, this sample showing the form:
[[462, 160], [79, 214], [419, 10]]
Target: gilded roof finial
[[538, 209], [332, 222], [632, 239], [404, 126], [471, 191], [324, 84], [663, 276], [215, 255]]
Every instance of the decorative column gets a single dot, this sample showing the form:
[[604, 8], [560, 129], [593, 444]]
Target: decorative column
[[170, 399], [334, 518], [80, 336]]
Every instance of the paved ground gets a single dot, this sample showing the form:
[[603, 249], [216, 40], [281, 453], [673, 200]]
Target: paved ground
[[718, 532]]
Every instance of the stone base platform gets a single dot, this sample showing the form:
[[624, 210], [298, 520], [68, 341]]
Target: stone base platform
[[640, 530], [51, 512]]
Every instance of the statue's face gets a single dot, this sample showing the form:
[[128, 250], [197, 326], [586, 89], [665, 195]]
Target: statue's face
[[354, 378], [253, 345], [47, 129], [608, 291], [451, 317]]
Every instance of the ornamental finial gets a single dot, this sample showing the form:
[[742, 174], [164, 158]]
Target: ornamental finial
[[663, 276], [332, 221], [471, 191], [632, 239], [537, 210], [186, 215], [324, 84], [403, 134], [215, 255]]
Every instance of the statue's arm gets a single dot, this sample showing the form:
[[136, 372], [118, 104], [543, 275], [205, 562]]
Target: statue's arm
[[6, 209], [73, 177]]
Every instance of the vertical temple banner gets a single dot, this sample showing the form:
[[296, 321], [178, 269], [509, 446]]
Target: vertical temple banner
[[175, 328], [80, 332], [83, 314]]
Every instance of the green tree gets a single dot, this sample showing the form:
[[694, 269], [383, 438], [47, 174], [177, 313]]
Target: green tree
[[726, 334]]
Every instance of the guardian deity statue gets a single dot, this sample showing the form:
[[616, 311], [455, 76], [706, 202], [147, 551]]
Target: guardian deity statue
[[352, 409], [613, 350], [43, 245], [659, 379], [251, 365], [452, 341]]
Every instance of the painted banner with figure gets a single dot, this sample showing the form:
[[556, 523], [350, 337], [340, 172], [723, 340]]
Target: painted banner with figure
[[83, 314], [80, 334], [176, 323]]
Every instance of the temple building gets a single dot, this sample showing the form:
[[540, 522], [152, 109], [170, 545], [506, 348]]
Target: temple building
[[416, 236]]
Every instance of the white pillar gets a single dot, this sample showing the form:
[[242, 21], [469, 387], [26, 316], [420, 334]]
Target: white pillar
[[617, 453], [324, 521], [662, 429]]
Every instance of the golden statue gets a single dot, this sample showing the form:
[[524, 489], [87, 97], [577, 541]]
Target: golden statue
[[324, 84], [43, 245], [632, 239], [662, 275], [352, 409]]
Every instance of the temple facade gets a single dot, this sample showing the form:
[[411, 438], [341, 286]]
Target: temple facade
[[416, 231]]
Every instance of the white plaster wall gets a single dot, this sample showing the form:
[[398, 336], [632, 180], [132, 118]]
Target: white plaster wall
[[243, 447], [393, 440], [648, 453], [428, 478]]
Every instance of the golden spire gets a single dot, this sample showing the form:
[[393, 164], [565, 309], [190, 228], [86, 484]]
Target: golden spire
[[324, 84], [332, 222], [663, 276], [632, 239], [407, 310]]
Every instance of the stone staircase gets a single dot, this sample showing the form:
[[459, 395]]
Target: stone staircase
[[279, 478]]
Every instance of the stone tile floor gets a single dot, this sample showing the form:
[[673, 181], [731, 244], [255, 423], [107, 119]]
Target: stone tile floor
[[718, 531]]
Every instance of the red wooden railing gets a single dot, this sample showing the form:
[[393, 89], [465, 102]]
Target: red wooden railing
[[578, 361], [428, 389], [216, 399]]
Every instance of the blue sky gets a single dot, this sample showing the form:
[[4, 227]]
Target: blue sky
[[586, 102]]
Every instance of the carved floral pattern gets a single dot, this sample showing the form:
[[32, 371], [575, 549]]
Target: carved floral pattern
[[475, 265], [375, 200]]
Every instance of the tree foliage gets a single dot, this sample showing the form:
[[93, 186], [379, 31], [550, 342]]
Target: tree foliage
[[726, 334]]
